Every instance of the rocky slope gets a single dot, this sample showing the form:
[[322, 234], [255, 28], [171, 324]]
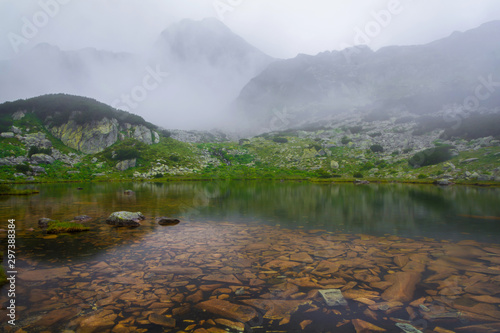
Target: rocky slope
[[459, 72]]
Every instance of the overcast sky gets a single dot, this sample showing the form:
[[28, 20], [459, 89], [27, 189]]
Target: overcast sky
[[281, 28]]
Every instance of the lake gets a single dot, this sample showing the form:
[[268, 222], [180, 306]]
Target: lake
[[257, 256]]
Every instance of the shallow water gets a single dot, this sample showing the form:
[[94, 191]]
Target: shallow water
[[420, 255]]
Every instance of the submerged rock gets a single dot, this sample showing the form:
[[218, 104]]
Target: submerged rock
[[44, 222], [125, 219], [167, 221], [229, 310]]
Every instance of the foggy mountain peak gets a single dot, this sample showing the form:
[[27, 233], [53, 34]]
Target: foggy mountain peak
[[205, 40]]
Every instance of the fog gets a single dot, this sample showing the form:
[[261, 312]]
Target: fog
[[163, 61]]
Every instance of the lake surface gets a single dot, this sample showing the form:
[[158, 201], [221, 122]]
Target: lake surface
[[253, 256]]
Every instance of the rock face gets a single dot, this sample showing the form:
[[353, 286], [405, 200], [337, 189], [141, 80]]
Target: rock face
[[42, 159], [94, 137], [127, 164], [125, 219]]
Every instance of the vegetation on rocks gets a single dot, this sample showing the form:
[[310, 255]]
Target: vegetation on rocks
[[57, 227]]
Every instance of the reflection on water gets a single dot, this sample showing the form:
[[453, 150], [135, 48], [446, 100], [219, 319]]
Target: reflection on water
[[252, 256]]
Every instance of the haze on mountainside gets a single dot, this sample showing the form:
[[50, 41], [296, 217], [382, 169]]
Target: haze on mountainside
[[198, 74]]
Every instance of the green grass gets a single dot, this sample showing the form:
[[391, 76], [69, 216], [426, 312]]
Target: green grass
[[57, 227], [7, 190]]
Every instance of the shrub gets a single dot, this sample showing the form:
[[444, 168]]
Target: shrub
[[431, 156], [158, 175], [23, 168], [358, 175], [174, 158], [345, 140], [374, 135], [126, 153], [377, 149], [4, 188], [35, 150], [422, 176], [355, 129], [322, 173], [280, 140]]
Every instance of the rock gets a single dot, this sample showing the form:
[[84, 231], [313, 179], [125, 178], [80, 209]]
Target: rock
[[277, 309], [82, 218], [44, 222], [167, 221], [18, 115], [240, 327], [38, 169], [127, 164], [407, 328], [44, 274], [231, 279], [7, 135], [128, 192], [161, 320], [100, 322], [443, 182], [403, 288], [229, 310], [361, 182], [470, 160], [334, 165], [174, 269], [56, 316], [301, 257], [333, 297], [6, 161], [125, 219], [362, 326], [42, 159]]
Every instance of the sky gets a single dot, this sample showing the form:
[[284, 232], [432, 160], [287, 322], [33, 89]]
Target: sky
[[280, 28]]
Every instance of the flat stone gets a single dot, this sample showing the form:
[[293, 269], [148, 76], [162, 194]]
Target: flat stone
[[161, 320], [333, 297], [277, 309], [403, 288], [240, 327], [362, 326], [228, 310], [301, 257], [100, 322], [44, 274], [226, 278], [175, 269], [56, 316]]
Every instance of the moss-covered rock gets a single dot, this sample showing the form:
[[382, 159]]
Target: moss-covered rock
[[125, 219]]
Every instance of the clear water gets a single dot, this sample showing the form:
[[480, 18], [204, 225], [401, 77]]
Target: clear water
[[236, 229]]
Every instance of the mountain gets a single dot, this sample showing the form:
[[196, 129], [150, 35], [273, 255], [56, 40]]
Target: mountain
[[187, 78], [208, 65], [416, 79], [80, 123]]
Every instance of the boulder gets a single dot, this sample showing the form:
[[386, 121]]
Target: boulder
[[167, 221], [228, 310], [127, 164], [7, 135], [38, 169], [125, 219], [44, 222], [82, 218], [42, 159]]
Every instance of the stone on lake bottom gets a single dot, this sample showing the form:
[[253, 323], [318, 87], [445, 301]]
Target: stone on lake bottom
[[277, 309], [44, 274], [240, 327], [161, 320], [403, 288], [362, 326], [229, 310], [333, 297], [407, 328]]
